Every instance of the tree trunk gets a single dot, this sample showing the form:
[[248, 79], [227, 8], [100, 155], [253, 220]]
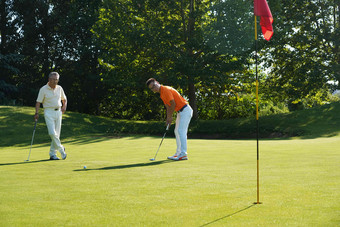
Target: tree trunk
[[336, 43], [192, 100], [3, 31], [46, 36], [191, 84]]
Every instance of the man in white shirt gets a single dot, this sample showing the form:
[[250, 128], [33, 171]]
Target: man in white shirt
[[54, 101]]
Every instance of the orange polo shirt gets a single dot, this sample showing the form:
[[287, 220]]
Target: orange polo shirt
[[168, 94]]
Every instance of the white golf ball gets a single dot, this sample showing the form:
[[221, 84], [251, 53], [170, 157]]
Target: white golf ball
[[84, 167]]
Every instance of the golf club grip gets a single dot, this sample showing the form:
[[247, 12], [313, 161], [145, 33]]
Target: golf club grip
[[35, 124]]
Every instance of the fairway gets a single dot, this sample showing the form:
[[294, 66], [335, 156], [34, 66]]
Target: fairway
[[299, 183]]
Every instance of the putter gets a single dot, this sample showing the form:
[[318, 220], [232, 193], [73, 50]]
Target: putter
[[35, 125], [154, 158]]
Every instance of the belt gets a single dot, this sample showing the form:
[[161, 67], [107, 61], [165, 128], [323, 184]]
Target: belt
[[182, 108]]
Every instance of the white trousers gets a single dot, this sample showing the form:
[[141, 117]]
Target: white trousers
[[53, 122], [182, 123]]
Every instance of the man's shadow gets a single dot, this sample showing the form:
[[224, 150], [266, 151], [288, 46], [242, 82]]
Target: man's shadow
[[24, 162], [128, 166]]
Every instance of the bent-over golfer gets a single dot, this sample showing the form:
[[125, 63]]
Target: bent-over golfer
[[173, 101], [54, 101]]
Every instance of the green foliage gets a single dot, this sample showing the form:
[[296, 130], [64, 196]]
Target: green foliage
[[106, 50], [304, 48], [157, 39], [7, 93], [52, 36], [7, 63], [269, 108], [231, 28]]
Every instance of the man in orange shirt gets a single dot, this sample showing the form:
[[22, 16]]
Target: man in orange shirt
[[173, 101]]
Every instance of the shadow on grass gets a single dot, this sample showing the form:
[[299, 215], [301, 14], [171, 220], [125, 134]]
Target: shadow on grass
[[24, 162], [17, 126], [128, 166], [227, 216]]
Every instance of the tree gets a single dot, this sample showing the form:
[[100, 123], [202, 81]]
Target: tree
[[44, 36], [303, 55], [105, 50], [164, 39]]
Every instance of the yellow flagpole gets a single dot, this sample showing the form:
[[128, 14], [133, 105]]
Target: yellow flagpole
[[257, 119], [255, 28]]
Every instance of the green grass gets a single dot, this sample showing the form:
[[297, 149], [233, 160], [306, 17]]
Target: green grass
[[299, 184], [299, 178]]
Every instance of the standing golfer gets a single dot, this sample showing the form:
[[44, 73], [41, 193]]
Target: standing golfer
[[54, 101], [173, 101]]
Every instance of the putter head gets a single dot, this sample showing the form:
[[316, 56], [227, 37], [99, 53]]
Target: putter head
[[27, 160], [152, 159]]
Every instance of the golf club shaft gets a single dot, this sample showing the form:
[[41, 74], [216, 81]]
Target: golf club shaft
[[167, 128], [35, 125]]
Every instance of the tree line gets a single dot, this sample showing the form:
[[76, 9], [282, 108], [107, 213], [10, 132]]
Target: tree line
[[105, 50]]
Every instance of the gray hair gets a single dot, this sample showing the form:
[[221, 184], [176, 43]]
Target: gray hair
[[52, 74]]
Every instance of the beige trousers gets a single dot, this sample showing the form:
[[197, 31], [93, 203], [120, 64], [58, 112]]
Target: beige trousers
[[53, 122]]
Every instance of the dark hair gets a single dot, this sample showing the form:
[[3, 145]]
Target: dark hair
[[149, 81]]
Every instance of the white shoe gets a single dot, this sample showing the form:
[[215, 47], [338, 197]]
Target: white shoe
[[54, 157], [181, 157], [173, 157], [64, 155]]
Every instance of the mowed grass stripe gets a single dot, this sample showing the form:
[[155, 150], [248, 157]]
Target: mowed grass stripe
[[299, 184]]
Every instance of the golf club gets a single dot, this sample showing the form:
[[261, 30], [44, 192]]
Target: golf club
[[35, 125], [167, 128]]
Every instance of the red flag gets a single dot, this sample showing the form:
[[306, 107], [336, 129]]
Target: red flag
[[261, 9]]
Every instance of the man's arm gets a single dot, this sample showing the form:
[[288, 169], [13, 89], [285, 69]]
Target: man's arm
[[169, 111], [37, 107], [63, 108]]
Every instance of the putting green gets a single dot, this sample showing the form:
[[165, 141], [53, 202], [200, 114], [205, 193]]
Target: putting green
[[299, 183]]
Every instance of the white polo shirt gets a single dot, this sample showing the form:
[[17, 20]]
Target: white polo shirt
[[51, 98]]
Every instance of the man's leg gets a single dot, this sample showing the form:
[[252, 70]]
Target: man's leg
[[182, 130], [178, 140], [48, 114], [61, 148], [53, 149], [185, 117], [51, 121]]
